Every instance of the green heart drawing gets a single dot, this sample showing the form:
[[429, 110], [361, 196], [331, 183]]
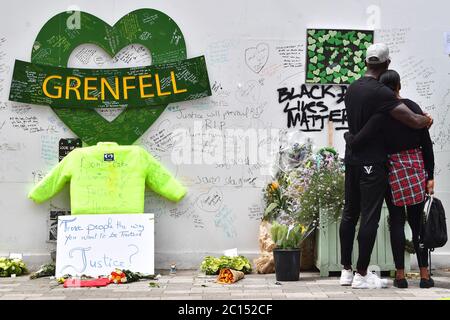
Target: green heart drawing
[[336, 54], [312, 47], [329, 70], [361, 35], [311, 40], [148, 27]]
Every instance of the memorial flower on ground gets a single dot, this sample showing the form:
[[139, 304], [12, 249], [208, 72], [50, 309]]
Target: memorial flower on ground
[[307, 187], [12, 266], [118, 276]]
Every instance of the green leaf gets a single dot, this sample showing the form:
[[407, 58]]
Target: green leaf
[[271, 207]]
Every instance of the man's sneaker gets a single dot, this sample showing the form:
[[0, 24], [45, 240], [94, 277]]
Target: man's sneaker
[[360, 282], [346, 277], [375, 282], [369, 281]]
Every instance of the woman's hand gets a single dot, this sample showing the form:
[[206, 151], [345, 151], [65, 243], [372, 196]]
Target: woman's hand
[[349, 139], [430, 187]]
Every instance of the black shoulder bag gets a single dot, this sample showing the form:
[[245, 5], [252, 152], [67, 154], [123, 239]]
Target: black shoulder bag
[[434, 227]]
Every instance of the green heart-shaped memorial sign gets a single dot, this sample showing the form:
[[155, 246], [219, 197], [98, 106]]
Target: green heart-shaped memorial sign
[[148, 27]]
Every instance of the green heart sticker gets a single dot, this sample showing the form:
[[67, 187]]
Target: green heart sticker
[[148, 27]]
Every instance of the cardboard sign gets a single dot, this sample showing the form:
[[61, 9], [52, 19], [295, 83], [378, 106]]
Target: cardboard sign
[[95, 245]]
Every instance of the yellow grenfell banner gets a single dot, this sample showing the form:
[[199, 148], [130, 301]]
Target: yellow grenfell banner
[[90, 88]]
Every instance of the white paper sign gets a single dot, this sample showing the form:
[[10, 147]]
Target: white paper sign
[[231, 252], [100, 243]]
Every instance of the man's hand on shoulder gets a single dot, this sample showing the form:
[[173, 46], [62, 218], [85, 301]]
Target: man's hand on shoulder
[[430, 119], [413, 120]]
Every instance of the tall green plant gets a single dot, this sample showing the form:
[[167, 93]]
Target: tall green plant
[[285, 238]]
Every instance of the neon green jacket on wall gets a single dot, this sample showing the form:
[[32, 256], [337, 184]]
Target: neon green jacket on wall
[[108, 178]]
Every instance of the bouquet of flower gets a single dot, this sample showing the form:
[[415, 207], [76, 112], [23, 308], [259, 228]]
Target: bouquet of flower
[[228, 276], [314, 183], [45, 270], [211, 265], [12, 266], [325, 189], [307, 190]]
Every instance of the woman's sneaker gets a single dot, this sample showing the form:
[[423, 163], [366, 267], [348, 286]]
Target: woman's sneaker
[[376, 282], [369, 281], [360, 282], [401, 283], [426, 283], [346, 277]]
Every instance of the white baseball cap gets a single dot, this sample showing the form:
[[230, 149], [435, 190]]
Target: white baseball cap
[[377, 53]]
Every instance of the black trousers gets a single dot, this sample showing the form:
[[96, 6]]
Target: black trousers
[[397, 217], [365, 188]]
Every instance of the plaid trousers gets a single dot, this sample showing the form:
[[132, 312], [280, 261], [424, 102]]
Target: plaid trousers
[[407, 177]]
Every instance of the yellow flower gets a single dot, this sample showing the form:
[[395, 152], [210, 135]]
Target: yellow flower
[[302, 228], [274, 185]]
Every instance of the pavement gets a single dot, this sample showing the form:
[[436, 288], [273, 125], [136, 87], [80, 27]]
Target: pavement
[[190, 285]]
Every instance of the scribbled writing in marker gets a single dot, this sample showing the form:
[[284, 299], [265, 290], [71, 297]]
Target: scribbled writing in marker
[[310, 106]]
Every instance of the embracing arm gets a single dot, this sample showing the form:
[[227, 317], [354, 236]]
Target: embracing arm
[[370, 129], [406, 116]]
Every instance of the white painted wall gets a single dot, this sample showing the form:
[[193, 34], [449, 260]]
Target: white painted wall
[[221, 30]]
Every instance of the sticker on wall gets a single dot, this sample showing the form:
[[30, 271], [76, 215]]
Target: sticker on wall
[[67, 145], [336, 56], [147, 27]]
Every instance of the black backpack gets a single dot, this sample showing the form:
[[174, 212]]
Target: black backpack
[[434, 228]]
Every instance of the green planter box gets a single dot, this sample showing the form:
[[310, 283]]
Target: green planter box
[[328, 253]]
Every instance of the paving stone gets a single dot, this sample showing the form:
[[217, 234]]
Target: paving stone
[[140, 298], [422, 298], [305, 295], [216, 297], [294, 290], [380, 298], [47, 298], [175, 292], [191, 285], [182, 298]]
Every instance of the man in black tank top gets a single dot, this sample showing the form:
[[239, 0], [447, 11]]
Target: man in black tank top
[[366, 175]]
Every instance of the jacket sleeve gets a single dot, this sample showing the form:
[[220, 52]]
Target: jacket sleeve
[[54, 181], [160, 180]]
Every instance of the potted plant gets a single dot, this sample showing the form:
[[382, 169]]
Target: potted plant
[[287, 250]]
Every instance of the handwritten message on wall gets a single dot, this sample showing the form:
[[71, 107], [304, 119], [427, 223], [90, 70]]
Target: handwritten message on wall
[[96, 245]]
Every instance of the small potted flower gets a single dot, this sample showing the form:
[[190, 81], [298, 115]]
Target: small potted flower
[[287, 251]]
